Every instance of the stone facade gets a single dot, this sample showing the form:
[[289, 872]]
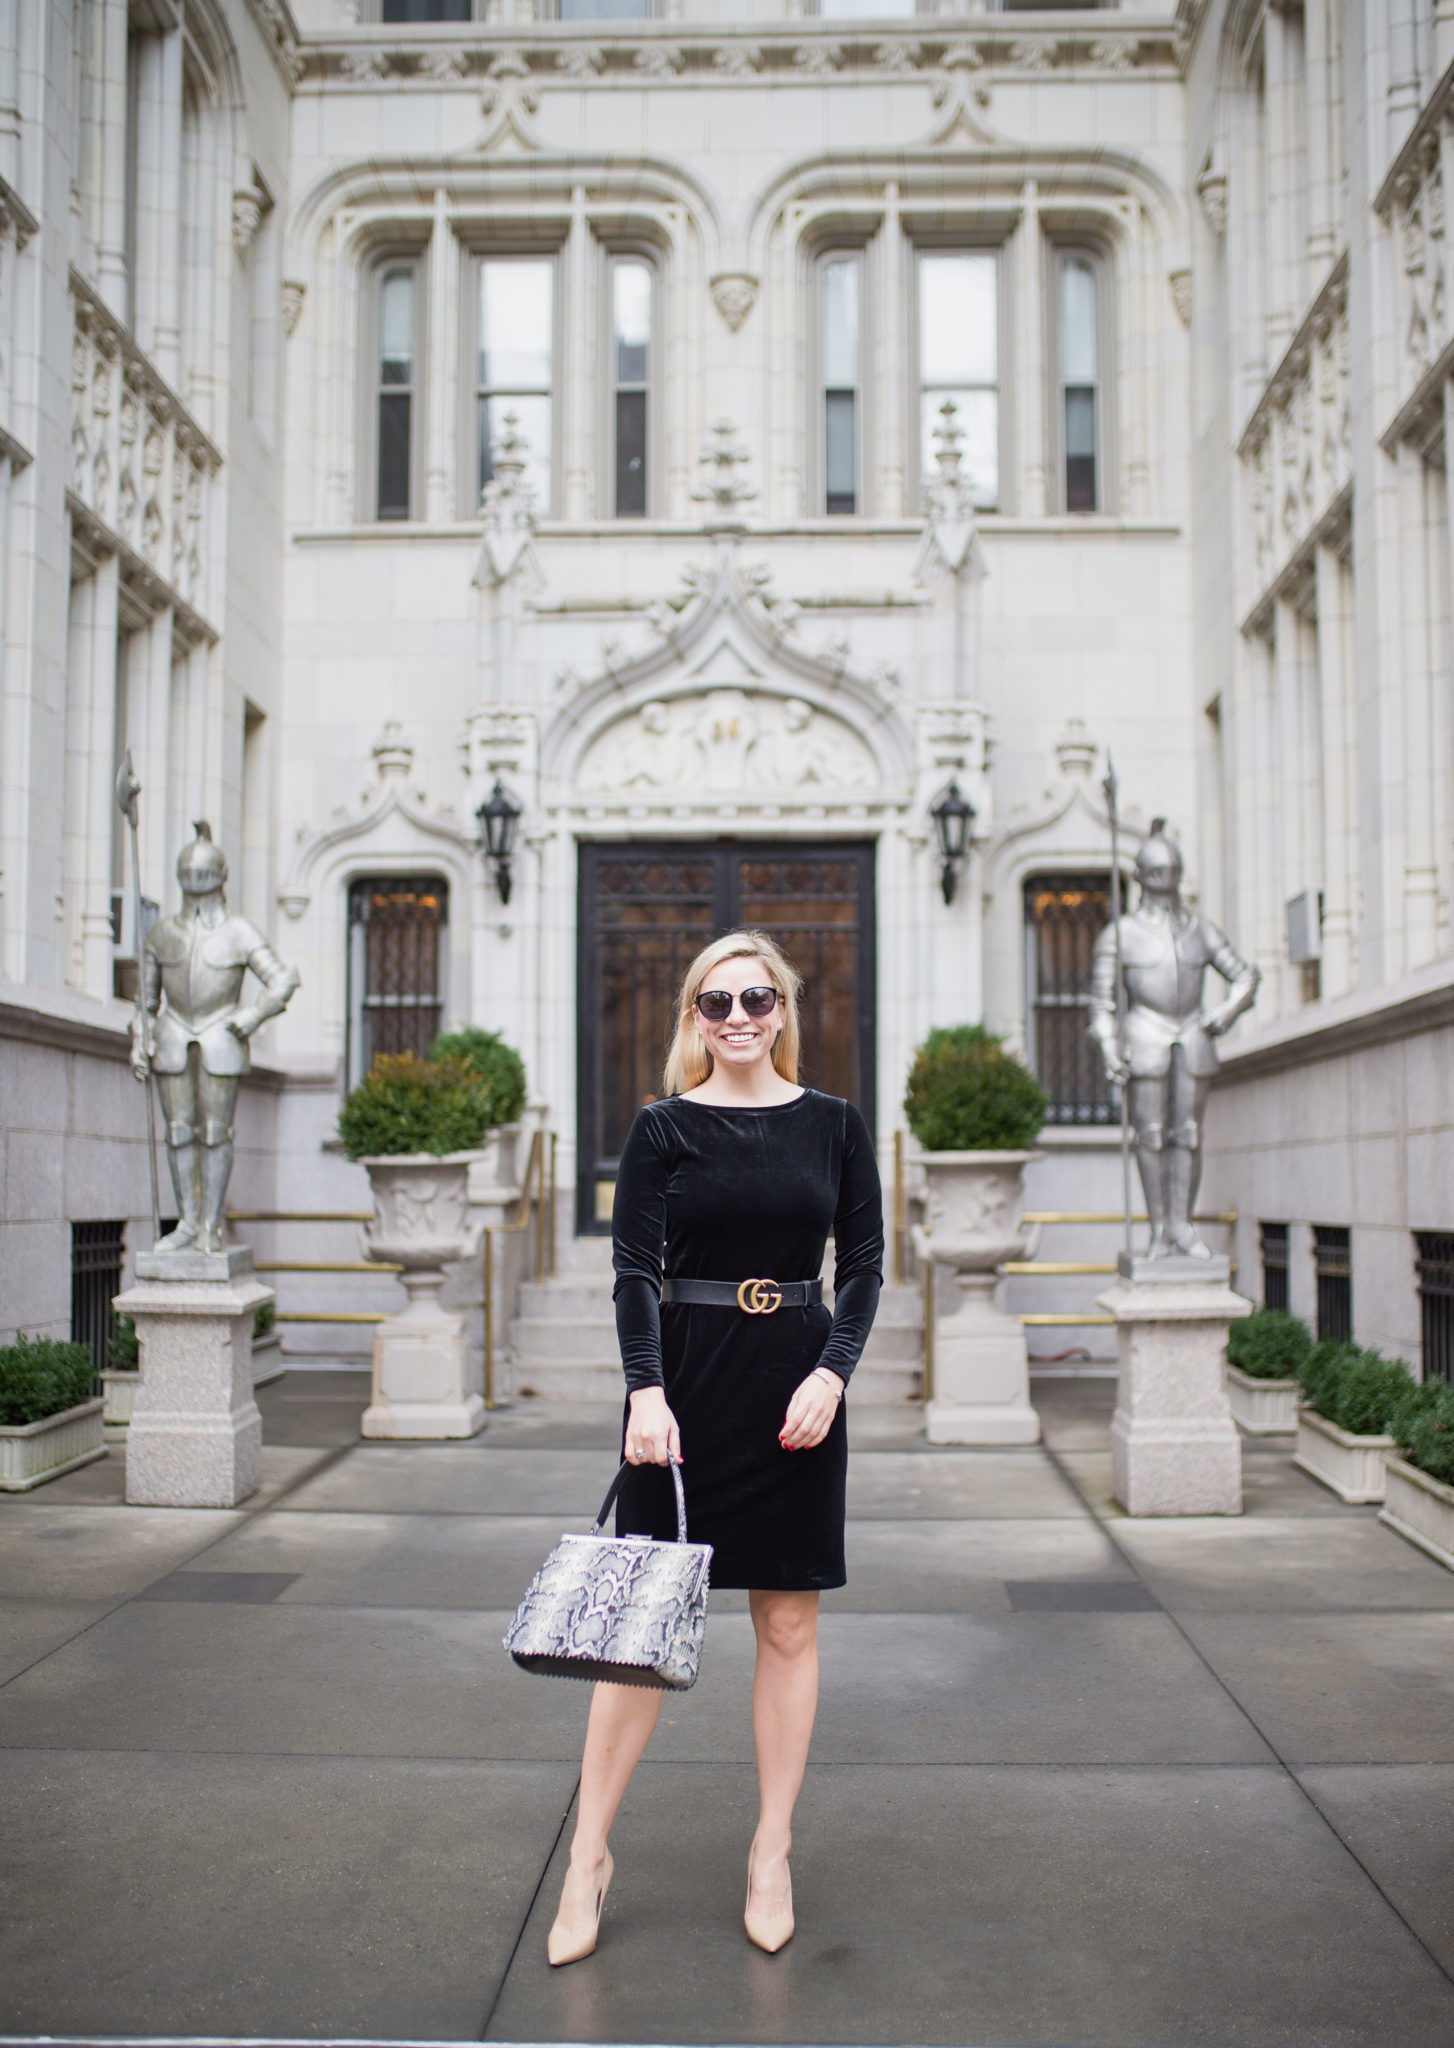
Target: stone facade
[[242, 388]]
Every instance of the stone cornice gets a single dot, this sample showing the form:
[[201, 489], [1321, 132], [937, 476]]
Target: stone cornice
[[1005, 51], [76, 1023], [1408, 166], [1422, 1001], [14, 206]]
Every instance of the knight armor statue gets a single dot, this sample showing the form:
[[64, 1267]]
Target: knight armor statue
[[1158, 1040], [195, 1031]]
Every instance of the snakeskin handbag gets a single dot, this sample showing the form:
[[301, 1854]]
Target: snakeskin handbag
[[623, 1608]]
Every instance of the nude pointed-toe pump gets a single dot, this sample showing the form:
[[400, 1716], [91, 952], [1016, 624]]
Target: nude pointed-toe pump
[[559, 1946], [769, 1931]]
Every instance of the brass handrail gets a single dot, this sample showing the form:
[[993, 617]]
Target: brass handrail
[[539, 1170]]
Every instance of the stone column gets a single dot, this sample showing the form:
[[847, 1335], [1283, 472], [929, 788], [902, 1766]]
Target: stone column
[[90, 768], [195, 1439], [1322, 189], [1029, 285], [1337, 774], [1403, 70], [575, 358], [155, 287], [1174, 1446], [109, 199], [1284, 261], [1286, 802], [440, 412], [1420, 865], [895, 375]]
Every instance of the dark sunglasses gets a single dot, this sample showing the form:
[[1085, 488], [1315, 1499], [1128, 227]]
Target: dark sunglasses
[[715, 1004]]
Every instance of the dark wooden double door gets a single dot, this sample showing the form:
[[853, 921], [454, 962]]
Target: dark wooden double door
[[647, 909]]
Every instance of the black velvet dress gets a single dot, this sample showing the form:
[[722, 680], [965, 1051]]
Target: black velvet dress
[[738, 1194]]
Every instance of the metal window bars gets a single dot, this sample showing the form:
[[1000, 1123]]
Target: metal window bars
[[1333, 1268], [1273, 1239], [1434, 1266], [97, 1252]]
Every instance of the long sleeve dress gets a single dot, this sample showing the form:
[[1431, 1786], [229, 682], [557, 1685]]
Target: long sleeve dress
[[710, 1193]]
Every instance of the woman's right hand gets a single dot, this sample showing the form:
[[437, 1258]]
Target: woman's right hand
[[652, 1436]]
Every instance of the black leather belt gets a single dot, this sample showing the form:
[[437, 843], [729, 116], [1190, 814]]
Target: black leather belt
[[753, 1297]]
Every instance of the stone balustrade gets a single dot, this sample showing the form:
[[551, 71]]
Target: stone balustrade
[[142, 470]]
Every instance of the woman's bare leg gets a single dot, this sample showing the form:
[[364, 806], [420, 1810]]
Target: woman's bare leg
[[622, 1718], [784, 1703]]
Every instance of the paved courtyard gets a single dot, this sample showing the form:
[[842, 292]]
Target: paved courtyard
[[1076, 1780]]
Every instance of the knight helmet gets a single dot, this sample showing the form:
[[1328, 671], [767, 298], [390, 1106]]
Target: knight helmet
[[202, 866], [1158, 851]]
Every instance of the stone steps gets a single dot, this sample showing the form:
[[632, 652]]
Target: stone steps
[[563, 1341]]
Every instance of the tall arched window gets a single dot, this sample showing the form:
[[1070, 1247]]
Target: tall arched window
[[1064, 916], [840, 371], [1078, 366], [631, 347], [959, 356]]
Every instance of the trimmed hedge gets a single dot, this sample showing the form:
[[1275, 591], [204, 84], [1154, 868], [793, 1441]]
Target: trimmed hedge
[[41, 1376], [1269, 1344], [265, 1319], [405, 1104], [1356, 1389], [123, 1352], [967, 1094], [1424, 1430], [499, 1067]]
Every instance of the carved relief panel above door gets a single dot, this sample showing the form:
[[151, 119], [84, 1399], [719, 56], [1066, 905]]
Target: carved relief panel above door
[[730, 742]]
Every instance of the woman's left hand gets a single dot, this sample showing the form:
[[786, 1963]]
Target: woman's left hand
[[811, 1411]]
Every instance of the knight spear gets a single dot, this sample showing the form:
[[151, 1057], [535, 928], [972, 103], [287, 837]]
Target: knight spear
[[1112, 793], [128, 789]]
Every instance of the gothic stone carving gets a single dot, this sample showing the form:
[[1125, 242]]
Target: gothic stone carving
[[729, 743]]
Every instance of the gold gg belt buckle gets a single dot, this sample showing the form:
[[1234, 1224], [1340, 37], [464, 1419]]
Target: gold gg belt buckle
[[759, 1297]]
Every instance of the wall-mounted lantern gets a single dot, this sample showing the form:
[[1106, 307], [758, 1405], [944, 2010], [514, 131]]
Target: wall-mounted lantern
[[499, 814], [953, 817]]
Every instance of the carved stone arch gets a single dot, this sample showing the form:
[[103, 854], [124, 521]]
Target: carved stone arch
[[727, 703]]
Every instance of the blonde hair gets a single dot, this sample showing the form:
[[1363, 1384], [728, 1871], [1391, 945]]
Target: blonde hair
[[689, 1063]]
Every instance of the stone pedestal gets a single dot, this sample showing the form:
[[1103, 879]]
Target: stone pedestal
[[1174, 1446], [981, 1371], [195, 1437], [426, 1375]]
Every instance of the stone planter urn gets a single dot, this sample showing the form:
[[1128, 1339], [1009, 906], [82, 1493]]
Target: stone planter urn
[[1420, 1508], [424, 1381], [981, 1369]]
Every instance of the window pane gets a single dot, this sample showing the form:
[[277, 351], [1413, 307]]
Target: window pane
[[396, 327], [840, 463], [426, 10], [603, 10], [1080, 450], [516, 323], [631, 315], [978, 419], [861, 10], [630, 454], [958, 328], [393, 500], [534, 427], [1077, 321], [840, 323]]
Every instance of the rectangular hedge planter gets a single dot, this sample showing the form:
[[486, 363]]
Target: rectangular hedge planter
[[1262, 1407], [32, 1452], [267, 1359], [120, 1396], [1420, 1509], [1351, 1465]]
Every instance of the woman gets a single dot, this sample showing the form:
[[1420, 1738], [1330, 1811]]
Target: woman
[[741, 1175]]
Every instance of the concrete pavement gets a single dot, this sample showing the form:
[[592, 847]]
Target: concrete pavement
[[1076, 1780]]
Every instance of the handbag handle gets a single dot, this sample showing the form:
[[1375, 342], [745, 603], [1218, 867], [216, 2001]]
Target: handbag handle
[[615, 1487]]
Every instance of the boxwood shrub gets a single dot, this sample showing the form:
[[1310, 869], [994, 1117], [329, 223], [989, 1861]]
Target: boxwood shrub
[[1424, 1430], [1269, 1344], [405, 1104], [123, 1352], [966, 1093], [500, 1069], [1356, 1389], [41, 1376]]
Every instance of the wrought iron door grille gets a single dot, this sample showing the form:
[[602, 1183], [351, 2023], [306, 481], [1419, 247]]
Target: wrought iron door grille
[[1064, 916], [96, 1255], [1333, 1265], [1435, 1268], [1274, 1264], [647, 910], [395, 962]]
